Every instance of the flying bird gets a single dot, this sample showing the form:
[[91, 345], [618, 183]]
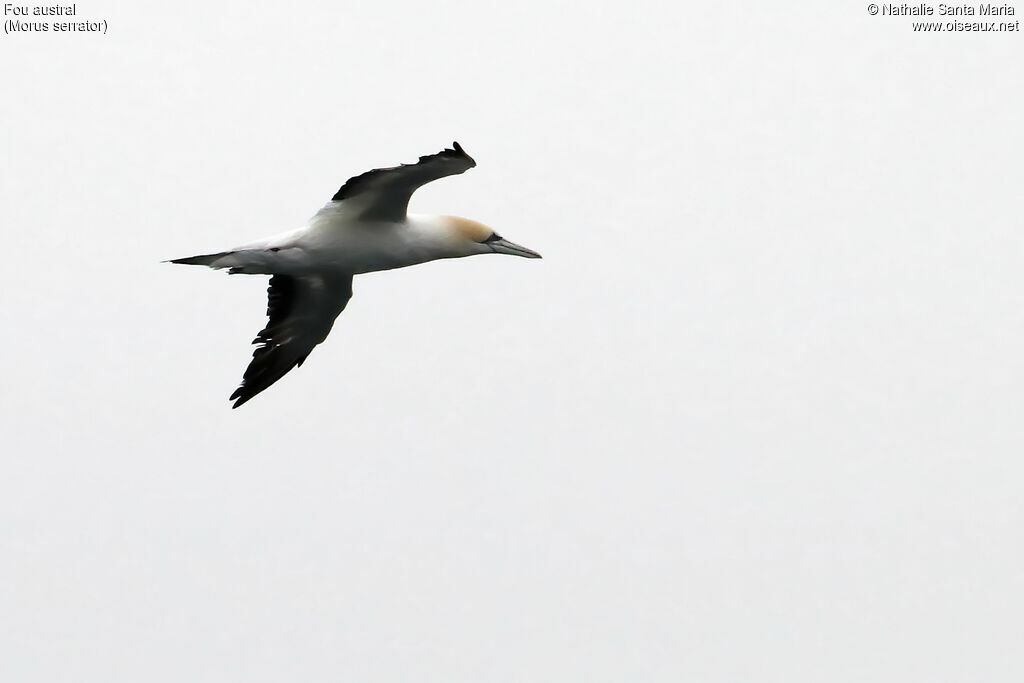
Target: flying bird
[[365, 227]]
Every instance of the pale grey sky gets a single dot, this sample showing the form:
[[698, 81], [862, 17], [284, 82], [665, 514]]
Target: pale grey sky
[[755, 417]]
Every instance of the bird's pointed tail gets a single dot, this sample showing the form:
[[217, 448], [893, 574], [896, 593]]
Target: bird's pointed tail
[[249, 261], [202, 259]]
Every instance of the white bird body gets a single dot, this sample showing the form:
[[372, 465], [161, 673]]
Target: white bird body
[[364, 228], [335, 239]]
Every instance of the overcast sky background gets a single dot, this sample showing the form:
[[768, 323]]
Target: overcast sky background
[[756, 416]]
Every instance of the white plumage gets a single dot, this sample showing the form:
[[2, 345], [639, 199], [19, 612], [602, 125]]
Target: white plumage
[[364, 228]]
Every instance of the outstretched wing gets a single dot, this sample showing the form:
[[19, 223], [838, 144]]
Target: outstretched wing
[[383, 193], [301, 312]]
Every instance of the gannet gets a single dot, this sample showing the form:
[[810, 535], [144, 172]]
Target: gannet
[[364, 228]]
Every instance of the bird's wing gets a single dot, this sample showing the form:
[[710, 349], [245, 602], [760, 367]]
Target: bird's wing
[[383, 193], [301, 312]]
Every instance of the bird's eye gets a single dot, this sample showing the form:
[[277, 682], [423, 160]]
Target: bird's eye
[[493, 238]]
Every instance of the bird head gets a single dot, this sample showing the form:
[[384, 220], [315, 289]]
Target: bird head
[[477, 238]]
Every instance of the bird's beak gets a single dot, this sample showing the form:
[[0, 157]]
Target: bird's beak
[[503, 246]]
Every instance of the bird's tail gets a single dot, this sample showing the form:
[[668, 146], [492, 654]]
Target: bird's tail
[[249, 261], [204, 260]]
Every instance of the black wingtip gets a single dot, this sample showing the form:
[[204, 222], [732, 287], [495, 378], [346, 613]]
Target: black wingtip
[[356, 184], [241, 399], [461, 153]]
